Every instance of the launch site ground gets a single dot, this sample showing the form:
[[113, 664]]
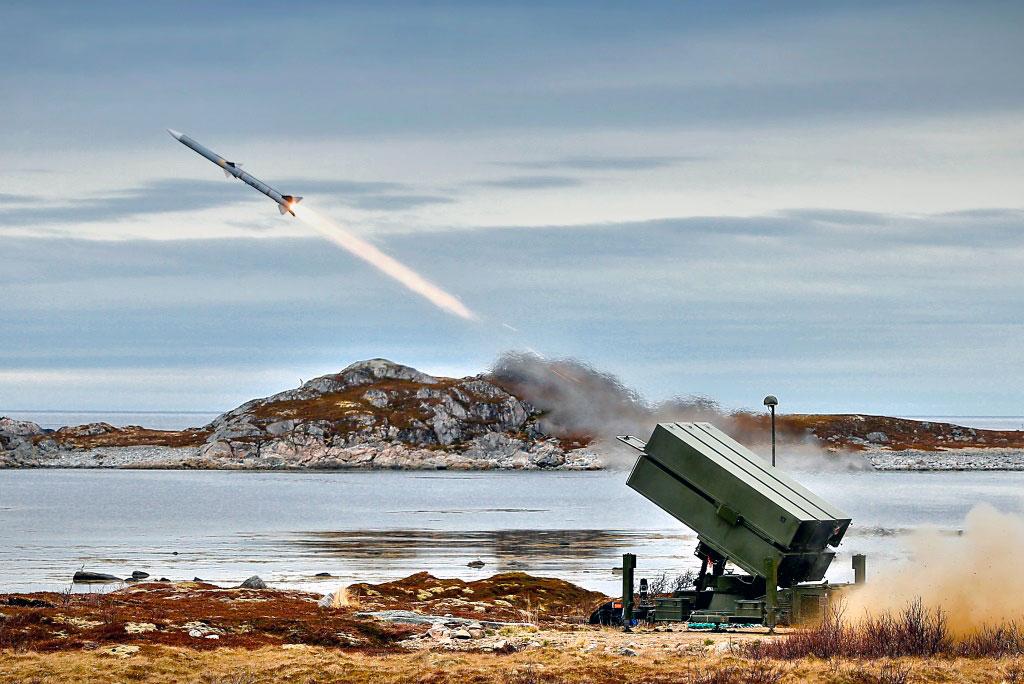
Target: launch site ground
[[197, 632]]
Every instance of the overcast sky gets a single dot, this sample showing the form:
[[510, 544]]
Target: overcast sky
[[818, 200]]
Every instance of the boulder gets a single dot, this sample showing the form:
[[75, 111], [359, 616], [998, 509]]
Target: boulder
[[19, 428], [84, 576], [438, 632], [139, 574], [23, 602], [253, 582]]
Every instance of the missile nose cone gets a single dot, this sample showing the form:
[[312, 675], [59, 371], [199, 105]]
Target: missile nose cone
[[174, 133]]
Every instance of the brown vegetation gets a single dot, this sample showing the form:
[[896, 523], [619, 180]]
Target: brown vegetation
[[916, 630], [312, 665], [850, 432], [195, 632], [509, 597], [104, 435], [184, 614]]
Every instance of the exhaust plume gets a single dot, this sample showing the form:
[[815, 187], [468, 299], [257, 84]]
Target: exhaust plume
[[359, 247], [582, 403], [973, 575]]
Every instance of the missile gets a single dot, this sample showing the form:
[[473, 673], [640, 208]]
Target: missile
[[285, 203]]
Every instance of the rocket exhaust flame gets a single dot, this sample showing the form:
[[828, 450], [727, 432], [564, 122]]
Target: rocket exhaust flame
[[359, 247]]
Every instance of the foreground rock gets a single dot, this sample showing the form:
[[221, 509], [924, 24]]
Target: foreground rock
[[373, 414], [86, 577]]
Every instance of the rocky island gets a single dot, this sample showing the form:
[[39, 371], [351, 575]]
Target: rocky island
[[526, 413], [373, 414]]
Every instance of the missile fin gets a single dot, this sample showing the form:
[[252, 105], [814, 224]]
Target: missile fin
[[281, 208], [227, 174]]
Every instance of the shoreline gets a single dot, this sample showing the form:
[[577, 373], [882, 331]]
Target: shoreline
[[965, 459]]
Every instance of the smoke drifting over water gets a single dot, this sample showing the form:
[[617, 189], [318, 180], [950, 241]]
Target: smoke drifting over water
[[974, 576], [387, 265], [582, 402]]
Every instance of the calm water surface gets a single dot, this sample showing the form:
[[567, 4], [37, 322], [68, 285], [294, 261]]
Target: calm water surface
[[372, 526]]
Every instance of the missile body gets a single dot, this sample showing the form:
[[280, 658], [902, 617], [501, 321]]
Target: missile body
[[285, 203]]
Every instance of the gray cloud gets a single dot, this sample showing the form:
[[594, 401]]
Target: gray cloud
[[156, 197], [397, 202], [732, 308], [9, 198], [532, 182], [603, 163], [167, 195]]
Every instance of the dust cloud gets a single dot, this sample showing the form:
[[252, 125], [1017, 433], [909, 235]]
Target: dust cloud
[[973, 574]]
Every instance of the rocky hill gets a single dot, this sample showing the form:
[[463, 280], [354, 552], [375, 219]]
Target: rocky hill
[[527, 413], [373, 414]]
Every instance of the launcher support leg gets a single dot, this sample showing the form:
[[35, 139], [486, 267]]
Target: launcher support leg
[[859, 568], [771, 593], [628, 565]]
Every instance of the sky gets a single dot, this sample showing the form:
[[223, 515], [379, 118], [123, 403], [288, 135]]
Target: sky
[[822, 201]]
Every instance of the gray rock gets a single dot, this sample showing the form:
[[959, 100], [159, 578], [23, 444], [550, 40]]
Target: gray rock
[[438, 632], [19, 428], [84, 576], [376, 397], [281, 427], [877, 437], [139, 574], [253, 582]]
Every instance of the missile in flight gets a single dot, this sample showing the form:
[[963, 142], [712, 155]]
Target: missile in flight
[[285, 203]]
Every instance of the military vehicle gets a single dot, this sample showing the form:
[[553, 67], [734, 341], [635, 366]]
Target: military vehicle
[[745, 512]]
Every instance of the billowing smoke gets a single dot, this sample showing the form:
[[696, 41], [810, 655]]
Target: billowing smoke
[[971, 574], [382, 262], [584, 404]]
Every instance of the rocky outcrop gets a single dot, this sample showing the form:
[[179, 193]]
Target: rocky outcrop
[[17, 446], [380, 414], [373, 414]]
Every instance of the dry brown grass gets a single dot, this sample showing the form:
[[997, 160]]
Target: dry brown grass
[[163, 665], [131, 435], [917, 630], [839, 430], [510, 597]]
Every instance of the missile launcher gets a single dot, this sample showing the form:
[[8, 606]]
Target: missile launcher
[[745, 512]]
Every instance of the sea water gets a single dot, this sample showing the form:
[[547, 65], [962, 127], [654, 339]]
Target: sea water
[[224, 526]]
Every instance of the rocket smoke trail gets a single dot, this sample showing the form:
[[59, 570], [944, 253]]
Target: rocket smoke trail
[[382, 262], [289, 204]]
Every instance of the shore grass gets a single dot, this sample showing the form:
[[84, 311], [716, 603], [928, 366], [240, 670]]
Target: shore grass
[[312, 665]]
